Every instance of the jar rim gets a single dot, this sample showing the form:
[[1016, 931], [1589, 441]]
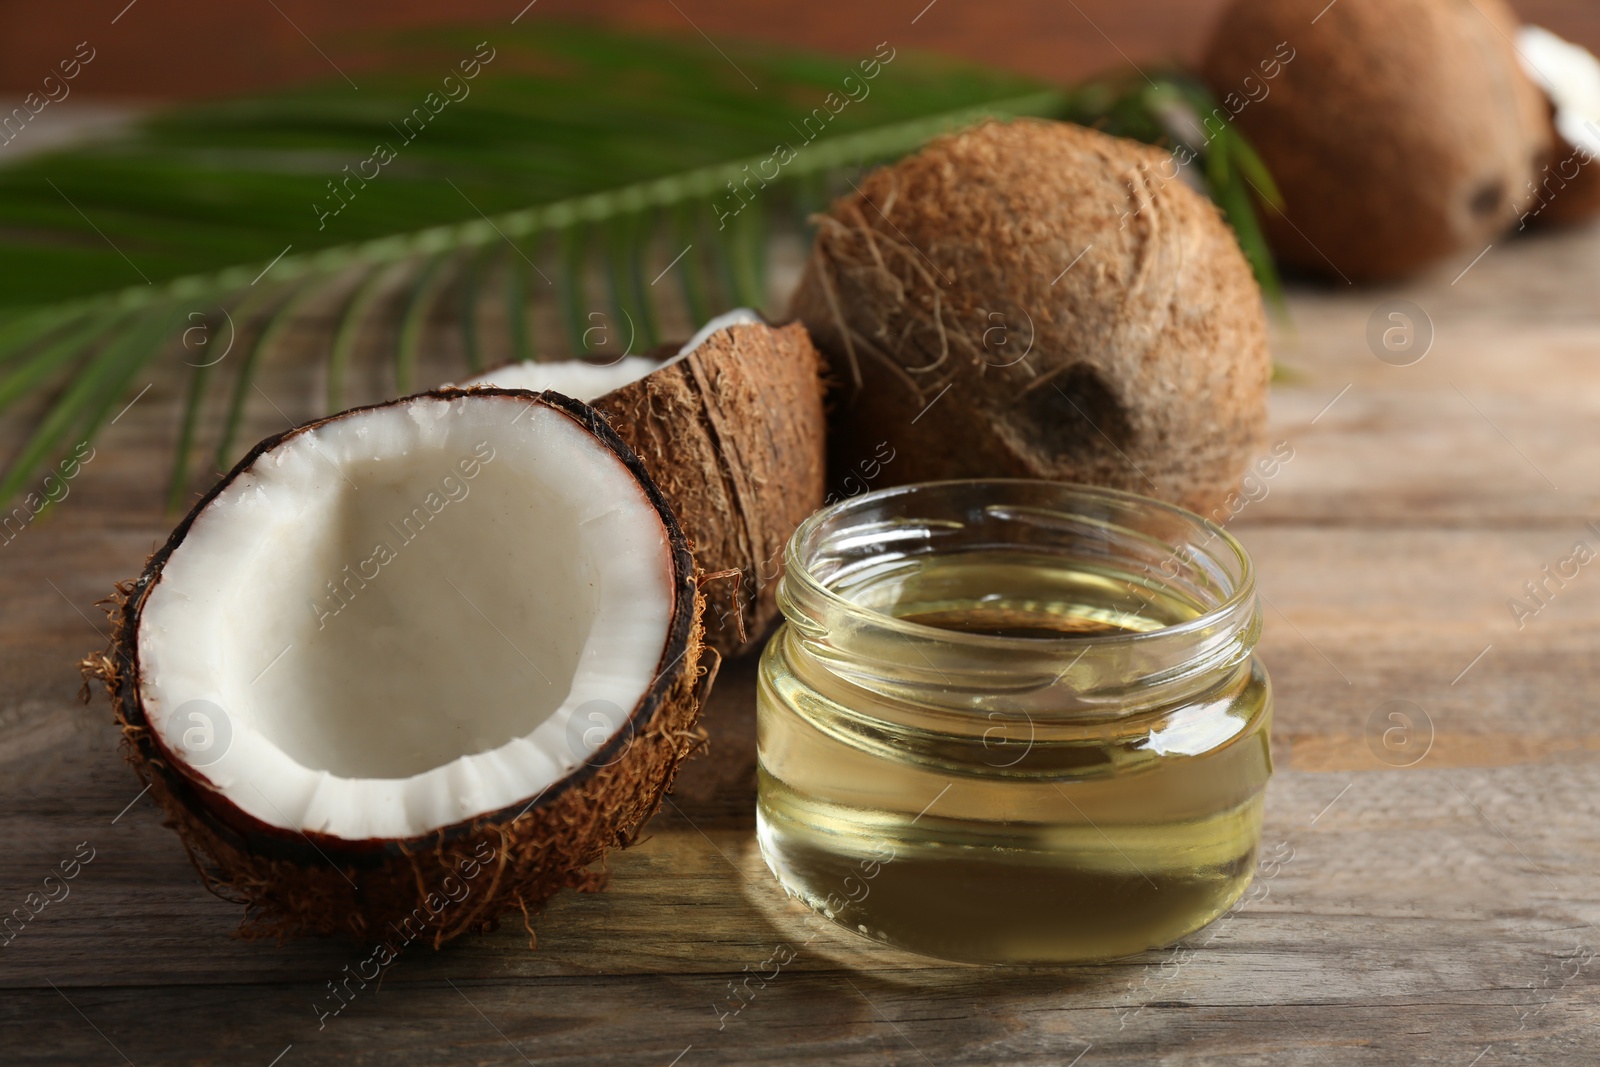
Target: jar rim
[[797, 570]]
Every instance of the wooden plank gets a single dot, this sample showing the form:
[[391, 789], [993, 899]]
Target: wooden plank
[[1427, 913], [1416, 916], [1436, 846]]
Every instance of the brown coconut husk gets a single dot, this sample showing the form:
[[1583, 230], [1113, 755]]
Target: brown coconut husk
[[1560, 200], [459, 879], [1400, 133], [1148, 365], [734, 434]]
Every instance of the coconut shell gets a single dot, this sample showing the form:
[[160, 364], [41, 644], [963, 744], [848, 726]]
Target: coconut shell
[[1567, 188], [1564, 201], [459, 879], [734, 434], [1039, 300], [1401, 132]]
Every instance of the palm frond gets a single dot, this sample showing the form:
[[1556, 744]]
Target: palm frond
[[348, 334], [611, 153], [430, 282], [277, 324], [471, 278]]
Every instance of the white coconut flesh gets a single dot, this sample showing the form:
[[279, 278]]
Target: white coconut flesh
[[1570, 76], [408, 617], [591, 381]]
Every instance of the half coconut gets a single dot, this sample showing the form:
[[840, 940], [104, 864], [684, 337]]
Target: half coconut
[[414, 666], [731, 426], [1567, 189]]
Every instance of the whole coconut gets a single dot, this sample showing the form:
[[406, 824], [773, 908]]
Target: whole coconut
[[1036, 299], [1399, 132]]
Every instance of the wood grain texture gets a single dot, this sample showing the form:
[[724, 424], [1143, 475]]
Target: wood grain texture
[[195, 49], [1405, 915]]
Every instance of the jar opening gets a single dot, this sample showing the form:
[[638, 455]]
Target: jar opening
[[1001, 585], [850, 551]]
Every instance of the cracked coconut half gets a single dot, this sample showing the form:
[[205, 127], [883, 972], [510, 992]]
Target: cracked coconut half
[[414, 666], [731, 426], [1568, 188]]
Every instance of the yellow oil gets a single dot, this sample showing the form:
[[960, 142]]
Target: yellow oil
[[1056, 839]]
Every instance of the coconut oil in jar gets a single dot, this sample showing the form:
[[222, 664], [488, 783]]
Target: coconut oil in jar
[[1014, 722]]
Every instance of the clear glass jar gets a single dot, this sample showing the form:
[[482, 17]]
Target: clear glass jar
[[1014, 721]]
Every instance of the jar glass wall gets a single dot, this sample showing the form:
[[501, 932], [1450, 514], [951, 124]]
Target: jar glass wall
[[1014, 721]]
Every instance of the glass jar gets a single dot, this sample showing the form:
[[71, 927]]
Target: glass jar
[[1014, 721]]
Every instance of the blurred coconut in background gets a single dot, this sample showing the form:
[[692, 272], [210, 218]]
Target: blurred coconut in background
[[1567, 189], [1400, 133]]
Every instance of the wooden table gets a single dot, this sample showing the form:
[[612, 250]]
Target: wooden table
[[1438, 912], [197, 49]]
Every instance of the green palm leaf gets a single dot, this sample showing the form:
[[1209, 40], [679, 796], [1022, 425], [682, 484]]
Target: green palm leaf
[[610, 152]]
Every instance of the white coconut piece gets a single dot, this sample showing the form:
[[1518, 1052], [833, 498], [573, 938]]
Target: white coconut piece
[[730, 426], [1569, 74], [590, 381], [406, 615]]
